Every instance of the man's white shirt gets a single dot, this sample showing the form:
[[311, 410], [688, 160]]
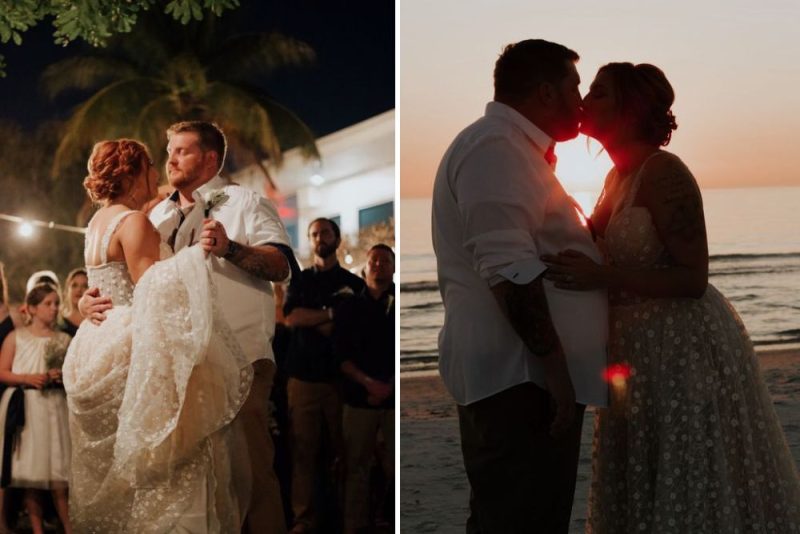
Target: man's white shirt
[[247, 302], [497, 207]]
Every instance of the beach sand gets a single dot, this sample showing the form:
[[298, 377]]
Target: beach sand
[[434, 491]]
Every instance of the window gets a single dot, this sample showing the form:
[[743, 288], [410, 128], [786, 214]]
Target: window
[[375, 214]]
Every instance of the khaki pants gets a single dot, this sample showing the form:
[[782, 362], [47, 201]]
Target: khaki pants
[[522, 479], [265, 513], [360, 428], [312, 407]]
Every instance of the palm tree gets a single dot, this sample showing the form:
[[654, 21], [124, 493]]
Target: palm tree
[[163, 72]]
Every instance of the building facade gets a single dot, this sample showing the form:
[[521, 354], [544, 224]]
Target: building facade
[[352, 183]]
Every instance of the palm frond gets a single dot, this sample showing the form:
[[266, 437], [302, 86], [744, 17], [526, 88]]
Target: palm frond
[[291, 130], [83, 72], [164, 72], [152, 124], [242, 116], [241, 56], [109, 113]]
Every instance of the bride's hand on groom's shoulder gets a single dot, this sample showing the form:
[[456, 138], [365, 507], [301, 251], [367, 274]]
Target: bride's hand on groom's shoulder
[[570, 269]]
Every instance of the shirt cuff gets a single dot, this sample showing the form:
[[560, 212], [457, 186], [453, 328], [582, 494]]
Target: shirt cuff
[[520, 272]]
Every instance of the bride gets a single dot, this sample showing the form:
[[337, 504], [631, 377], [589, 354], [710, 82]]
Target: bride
[[153, 389], [691, 442]]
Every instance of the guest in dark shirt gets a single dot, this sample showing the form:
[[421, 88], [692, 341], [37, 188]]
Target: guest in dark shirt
[[313, 397], [364, 344]]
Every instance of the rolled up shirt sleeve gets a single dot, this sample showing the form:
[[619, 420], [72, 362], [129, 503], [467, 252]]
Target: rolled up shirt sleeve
[[502, 205], [264, 227]]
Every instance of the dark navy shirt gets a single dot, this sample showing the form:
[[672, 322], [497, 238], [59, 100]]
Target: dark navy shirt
[[364, 335], [310, 355]]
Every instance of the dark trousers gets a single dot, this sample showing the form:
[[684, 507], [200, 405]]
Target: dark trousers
[[265, 512], [523, 479]]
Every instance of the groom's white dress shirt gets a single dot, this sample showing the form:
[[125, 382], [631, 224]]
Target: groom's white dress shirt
[[497, 206], [246, 302]]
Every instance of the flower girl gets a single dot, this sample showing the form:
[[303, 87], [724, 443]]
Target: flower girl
[[34, 431]]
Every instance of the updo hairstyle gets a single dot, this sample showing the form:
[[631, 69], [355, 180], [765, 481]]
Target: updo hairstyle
[[113, 166], [644, 94]]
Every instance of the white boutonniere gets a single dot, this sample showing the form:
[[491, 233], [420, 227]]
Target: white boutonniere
[[389, 304], [214, 198], [344, 291]]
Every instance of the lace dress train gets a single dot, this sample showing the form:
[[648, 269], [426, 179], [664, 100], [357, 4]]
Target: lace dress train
[[152, 392]]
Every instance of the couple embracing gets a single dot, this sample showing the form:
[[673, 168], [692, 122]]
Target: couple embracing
[[543, 305], [167, 384]]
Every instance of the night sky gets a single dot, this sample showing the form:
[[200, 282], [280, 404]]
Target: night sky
[[352, 80]]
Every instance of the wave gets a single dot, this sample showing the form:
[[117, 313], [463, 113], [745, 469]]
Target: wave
[[793, 332], [424, 306], [414, 287], [752, 270], [743, 298], [747, 257], [418, 353], [433, 285]]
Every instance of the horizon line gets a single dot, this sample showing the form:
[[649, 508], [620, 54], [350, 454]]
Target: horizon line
[[702, 188]]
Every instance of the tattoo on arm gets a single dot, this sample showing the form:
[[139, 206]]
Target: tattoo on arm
[[526, 309], [681, 199], [266, 262]]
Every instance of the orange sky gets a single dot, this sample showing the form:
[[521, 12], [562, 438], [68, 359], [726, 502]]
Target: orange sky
[[735, 67]]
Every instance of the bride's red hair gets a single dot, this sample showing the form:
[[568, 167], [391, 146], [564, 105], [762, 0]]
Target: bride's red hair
[[113, 166]]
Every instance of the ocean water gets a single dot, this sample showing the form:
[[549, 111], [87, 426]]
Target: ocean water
[[754, 243]]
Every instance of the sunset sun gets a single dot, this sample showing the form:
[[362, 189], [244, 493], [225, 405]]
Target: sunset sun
[[582, 169]]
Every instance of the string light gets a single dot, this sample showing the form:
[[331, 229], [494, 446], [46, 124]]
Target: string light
[[27, 226], [25, 229]]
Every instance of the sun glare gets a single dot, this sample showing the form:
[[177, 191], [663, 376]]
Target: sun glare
[[582, 169]]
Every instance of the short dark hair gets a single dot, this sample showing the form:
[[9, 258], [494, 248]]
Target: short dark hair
[[523, 66], [211, 136], [334, 226], [643, 93], [381, 246]]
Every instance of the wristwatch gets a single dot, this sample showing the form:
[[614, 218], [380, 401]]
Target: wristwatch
[[232, 250]]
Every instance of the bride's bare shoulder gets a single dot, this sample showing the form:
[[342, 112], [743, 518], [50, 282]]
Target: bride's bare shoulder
[[136, 227]]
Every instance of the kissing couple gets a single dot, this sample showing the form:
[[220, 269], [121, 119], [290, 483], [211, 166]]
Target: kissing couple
[[547, 311]]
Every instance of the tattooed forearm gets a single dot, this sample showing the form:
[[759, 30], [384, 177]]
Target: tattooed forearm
[[681, 200], [525, 306], [266, 262]]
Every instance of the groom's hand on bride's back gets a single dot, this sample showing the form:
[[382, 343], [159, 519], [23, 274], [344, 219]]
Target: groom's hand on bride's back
[[94, 306]]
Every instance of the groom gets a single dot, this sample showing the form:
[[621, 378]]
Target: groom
[[250, 247], [521, 358]]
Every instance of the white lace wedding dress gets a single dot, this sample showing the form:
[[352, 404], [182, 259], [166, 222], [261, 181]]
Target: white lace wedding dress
[[691, 443], [152, 393]]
